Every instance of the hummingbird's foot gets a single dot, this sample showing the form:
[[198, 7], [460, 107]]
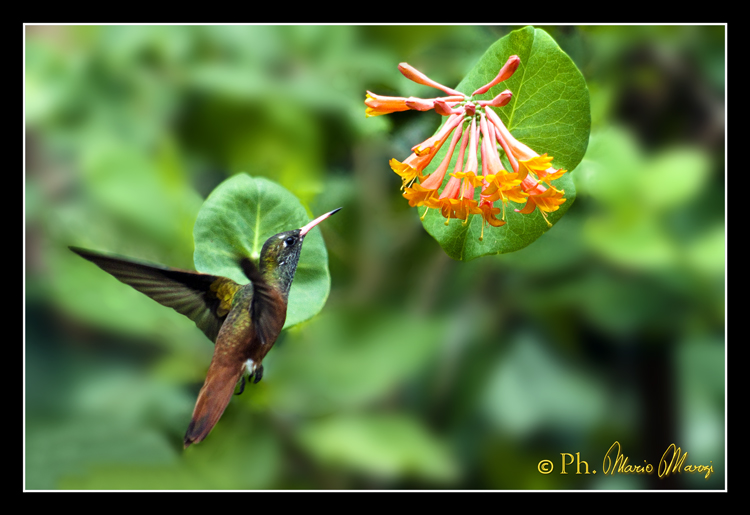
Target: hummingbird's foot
[[258, 374], [242, 386]]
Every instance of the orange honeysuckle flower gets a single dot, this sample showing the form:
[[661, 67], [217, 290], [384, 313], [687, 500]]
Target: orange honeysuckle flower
[[379, 104], [550, 174], [528, 168], [442, 205], [536, 164], [443, 202], [488, 213], [463, 207], [469, 177], [547, 201], [524, 184], [467, 189], [418, 195], [411, 168], [540, 166], [451, 205], [504, 186]]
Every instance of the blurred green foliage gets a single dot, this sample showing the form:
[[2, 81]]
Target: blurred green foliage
[[420, 372]]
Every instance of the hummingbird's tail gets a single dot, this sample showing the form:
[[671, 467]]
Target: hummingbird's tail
[[212, 400]]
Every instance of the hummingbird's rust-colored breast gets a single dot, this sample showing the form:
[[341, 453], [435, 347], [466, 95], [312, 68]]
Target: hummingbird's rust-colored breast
[[251, 327]]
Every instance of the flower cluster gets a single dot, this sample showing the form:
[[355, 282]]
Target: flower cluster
[[474, 124]]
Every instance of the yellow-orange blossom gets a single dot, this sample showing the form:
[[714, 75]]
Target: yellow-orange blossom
[[529, 182]]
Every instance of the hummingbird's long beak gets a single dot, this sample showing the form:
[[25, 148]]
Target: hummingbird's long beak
[[315, 222]]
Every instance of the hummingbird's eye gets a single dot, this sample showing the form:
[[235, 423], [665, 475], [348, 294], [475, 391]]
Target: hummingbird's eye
[[289, 241]]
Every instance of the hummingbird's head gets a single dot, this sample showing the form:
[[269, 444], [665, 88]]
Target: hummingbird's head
[[282, 250], [280, 253]]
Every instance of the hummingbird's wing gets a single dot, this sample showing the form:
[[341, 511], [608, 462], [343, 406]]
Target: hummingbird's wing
[[265, 307], [203, 298]]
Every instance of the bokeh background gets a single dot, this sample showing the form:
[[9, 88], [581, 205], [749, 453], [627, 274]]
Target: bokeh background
[[420, 372]]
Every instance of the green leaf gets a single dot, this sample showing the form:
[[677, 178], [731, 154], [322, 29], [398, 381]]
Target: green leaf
[[236, 220], [549, 112]]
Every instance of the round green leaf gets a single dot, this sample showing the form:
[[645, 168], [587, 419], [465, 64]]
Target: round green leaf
[[237, 219], [549, 112]]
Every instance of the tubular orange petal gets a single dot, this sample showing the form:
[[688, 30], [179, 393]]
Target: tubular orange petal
[[451, 189], [433, 144], [410, 169], [420, 104], [488, 214], [550, 174], [463, 207], [378, 105], [550, 200], [435, 180], [529, 207], [547, 201], [418, 195]]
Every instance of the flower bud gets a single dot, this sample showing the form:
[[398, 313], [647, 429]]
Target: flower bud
[[415, 75], [505, 73], [499, 101], [442, 108]]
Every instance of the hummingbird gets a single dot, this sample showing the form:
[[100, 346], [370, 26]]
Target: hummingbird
[[243, 321]]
